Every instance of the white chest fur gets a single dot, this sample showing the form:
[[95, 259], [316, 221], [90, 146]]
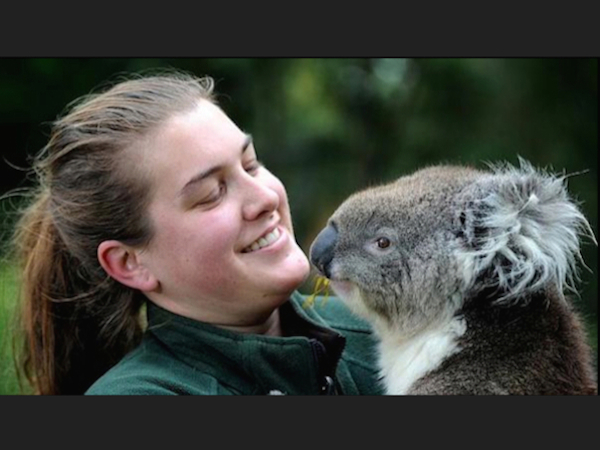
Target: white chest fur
[[402, 362]]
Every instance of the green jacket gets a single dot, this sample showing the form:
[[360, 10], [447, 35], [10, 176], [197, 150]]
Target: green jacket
[[329, 351]]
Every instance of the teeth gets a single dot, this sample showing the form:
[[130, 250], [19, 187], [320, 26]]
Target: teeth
[[264, 241]]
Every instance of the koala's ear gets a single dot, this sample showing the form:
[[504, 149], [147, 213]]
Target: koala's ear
[[519, 232]]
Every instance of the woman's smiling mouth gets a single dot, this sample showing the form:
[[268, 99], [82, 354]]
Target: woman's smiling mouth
[[263, 241]]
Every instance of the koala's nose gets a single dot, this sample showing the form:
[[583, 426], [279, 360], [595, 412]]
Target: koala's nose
[[321, 250]]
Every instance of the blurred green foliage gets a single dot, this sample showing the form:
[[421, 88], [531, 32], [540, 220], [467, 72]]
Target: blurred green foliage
[[328, 127]]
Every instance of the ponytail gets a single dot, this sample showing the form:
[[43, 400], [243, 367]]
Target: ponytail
[[68, 338], [76, 322]]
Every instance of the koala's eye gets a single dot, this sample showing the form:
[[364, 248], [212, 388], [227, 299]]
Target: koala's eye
[[383, 242]]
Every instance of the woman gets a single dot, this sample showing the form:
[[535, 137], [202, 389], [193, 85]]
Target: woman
[[150, 195]]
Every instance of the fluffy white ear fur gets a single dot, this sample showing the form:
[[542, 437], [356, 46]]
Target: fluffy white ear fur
[[520, 229]]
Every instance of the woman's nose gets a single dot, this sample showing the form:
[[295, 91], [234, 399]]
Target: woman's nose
[[260, 198]]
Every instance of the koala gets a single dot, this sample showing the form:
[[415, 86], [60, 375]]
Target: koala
[[462, 273]]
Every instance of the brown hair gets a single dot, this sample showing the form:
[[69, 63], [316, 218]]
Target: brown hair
[[76, 321]]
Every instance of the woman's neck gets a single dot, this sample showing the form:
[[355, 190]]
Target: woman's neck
[[259, 324], [269, 327]]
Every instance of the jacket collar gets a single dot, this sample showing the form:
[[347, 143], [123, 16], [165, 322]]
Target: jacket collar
[[252, 363]]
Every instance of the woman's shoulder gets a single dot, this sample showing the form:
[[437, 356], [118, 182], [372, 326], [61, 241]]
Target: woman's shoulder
[[149, 370], [331, 310], [360, 352]]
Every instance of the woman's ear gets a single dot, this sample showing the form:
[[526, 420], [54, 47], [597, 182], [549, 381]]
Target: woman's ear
[[122, 263]]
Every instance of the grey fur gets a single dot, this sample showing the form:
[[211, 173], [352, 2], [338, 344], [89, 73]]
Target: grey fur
[[493, 249]]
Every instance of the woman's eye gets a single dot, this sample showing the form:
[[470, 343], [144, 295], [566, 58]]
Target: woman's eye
[[383, 242], [253, 167], [214, 195]]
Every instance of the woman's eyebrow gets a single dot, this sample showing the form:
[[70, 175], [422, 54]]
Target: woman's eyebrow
[[211, 170], [247, 142]]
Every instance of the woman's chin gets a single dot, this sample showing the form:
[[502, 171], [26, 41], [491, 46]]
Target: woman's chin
[[293, 272]]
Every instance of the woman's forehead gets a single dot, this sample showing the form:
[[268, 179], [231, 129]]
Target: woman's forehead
[[190, 143], [206, 125]]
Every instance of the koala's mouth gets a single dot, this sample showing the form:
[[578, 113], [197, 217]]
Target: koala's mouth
[[342, 287]]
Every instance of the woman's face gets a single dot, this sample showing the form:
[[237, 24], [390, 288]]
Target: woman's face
[[223, 249]]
